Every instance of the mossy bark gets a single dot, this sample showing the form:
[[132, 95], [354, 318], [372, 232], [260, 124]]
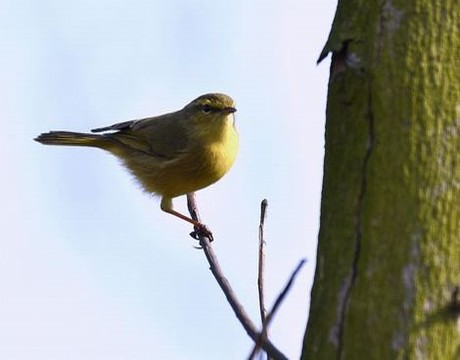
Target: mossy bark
[[389, 243]]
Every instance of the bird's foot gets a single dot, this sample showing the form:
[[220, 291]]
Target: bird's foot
[[201, 230]]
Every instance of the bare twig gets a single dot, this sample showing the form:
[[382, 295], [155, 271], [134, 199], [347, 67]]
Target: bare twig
[[260, 279], [238, 309], [261, 269], [286, 289], [271, 314]]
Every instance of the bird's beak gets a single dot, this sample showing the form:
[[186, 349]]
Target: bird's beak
[[228, 110]]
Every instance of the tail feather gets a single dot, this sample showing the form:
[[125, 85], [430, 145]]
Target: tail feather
[[70, 138]]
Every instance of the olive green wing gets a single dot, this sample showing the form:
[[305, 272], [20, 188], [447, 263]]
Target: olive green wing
[[119, 126], [163, 137]]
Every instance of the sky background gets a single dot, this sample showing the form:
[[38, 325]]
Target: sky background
[[90, 267]]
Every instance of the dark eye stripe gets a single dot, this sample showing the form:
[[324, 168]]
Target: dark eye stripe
[[206, 108]]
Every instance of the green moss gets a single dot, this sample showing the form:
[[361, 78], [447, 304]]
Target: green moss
[[390, 210]]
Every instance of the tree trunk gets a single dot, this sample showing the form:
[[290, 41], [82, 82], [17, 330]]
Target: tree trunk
[[389, 244]]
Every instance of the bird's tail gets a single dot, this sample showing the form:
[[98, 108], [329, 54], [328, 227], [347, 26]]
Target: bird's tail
[[72, 139]]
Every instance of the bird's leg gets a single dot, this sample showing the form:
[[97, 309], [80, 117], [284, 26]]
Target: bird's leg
[[183, 217], [200, 229]]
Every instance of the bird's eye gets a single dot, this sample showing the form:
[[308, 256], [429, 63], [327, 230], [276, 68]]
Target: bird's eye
[[206, 109]]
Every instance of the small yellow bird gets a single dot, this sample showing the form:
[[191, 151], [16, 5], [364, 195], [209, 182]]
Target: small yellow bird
[[171, 154]]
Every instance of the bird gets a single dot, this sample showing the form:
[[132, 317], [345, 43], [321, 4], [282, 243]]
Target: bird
[[171, 154]]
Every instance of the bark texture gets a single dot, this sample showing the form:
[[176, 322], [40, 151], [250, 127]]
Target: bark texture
[[389, 244]]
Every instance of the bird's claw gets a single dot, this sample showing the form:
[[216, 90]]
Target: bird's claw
[[201, 230]]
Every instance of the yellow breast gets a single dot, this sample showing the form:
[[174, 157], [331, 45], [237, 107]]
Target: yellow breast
[[202, 164], [215, 159]]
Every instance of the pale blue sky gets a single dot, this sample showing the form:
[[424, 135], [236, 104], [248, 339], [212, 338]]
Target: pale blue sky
[[90, 267]]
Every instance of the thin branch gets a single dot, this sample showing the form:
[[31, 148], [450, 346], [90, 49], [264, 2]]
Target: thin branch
[[261, 269], [260, 279], [286, 289], [276, 305], [238, 309]]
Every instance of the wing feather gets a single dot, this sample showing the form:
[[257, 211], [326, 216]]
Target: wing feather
[[164, 137], [119, 126]]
